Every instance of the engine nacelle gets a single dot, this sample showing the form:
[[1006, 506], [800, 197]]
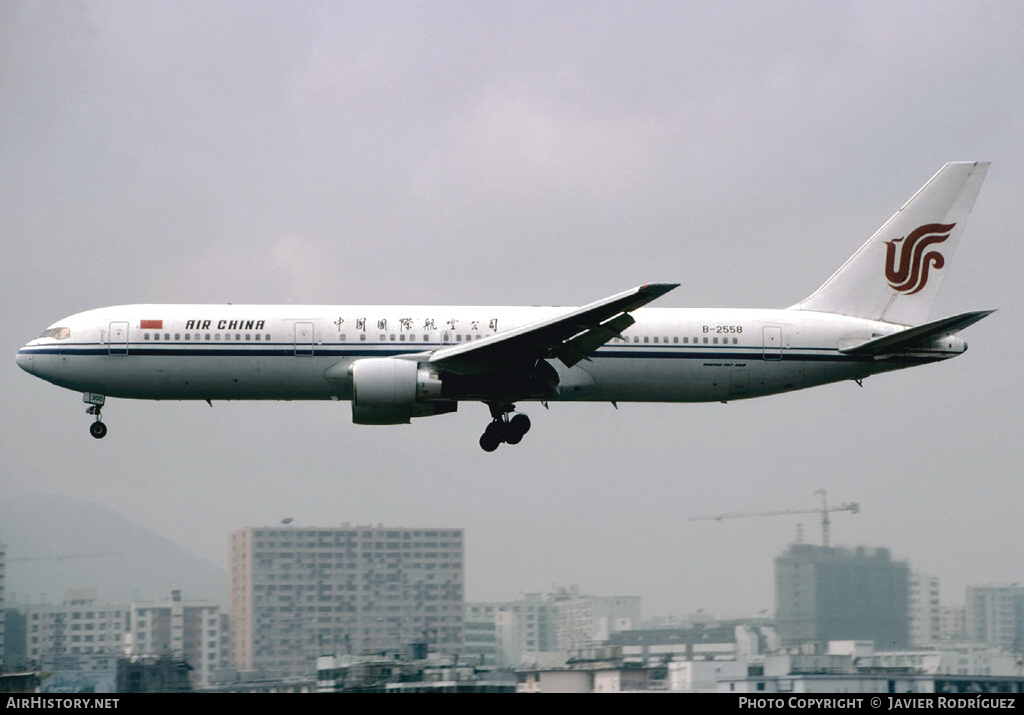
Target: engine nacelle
[[391, 391]]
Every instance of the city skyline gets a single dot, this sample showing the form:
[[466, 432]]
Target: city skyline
[[367, 589], [22, 564]]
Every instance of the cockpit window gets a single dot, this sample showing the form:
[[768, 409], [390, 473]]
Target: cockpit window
[[57, 333]]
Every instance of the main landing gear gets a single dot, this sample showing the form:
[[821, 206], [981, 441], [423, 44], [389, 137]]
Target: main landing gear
[[504, 429], [97, 429]]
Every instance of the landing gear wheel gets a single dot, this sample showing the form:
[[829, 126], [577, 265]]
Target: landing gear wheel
[[489, 441], [493, 436], [517, 428], [502, 428], [98, 430]]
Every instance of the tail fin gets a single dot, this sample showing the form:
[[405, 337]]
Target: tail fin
[[896, 275]]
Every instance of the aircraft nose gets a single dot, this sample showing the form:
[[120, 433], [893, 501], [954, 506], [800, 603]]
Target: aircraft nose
[[24, 361]]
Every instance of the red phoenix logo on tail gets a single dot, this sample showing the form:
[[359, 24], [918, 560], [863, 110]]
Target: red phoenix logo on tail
[[912, 273]]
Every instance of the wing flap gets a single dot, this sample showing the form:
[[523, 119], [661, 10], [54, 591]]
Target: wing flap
[[584, 344], [918, 336]]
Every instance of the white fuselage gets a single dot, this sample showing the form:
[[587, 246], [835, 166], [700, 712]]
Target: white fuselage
[[263, 352], [395, 363]]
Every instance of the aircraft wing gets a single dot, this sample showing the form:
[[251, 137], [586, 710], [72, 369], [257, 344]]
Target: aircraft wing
[[570, 337], [918, 336]]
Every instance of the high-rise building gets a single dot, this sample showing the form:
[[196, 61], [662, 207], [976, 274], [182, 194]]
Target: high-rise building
[[924, 610], [80, 625], [296, 593], [537, 628], [953, 623], [510, 633], [827, 593], [189, 630], [481, 647], [584, 621], [995, 615]]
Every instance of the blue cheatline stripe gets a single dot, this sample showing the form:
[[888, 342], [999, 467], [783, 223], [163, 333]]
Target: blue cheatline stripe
[[808, 354]]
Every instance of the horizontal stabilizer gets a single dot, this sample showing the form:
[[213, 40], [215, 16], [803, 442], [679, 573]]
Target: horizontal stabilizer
[[919, 336]]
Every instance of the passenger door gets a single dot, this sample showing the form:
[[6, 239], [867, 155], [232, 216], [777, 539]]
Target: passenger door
[[303, 338], [772, 343], [117, 344]]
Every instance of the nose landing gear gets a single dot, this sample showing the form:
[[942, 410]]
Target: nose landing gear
[[97, 429], [503, 429]]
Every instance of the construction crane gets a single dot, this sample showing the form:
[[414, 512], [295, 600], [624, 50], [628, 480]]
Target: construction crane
[[824, 510]]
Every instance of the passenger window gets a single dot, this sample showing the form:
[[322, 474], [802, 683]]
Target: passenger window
[[675, 340], [216, 337], [636, 338], [735, 341], [238, 336], [341, 338], [257, 336], [392, 337], [412, 338], [167, 336], [146, 336], [646, 339], [362, 337], [655, 338], [248, 336], [383, 338], [207, 336], [177, 336], [715, 341], [187, 336], [705, 341]]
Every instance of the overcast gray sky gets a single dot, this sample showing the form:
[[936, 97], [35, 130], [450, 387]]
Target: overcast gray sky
[[521, 153]]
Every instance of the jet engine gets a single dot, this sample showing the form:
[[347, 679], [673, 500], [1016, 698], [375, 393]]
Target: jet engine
[[391, 391]]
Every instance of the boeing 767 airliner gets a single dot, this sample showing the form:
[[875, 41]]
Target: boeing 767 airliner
[[398, 362]]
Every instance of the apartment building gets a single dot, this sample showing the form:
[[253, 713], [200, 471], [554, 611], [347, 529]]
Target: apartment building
[[296, 593]]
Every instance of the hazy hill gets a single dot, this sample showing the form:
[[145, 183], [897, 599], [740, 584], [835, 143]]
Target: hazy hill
[[135, 565]]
